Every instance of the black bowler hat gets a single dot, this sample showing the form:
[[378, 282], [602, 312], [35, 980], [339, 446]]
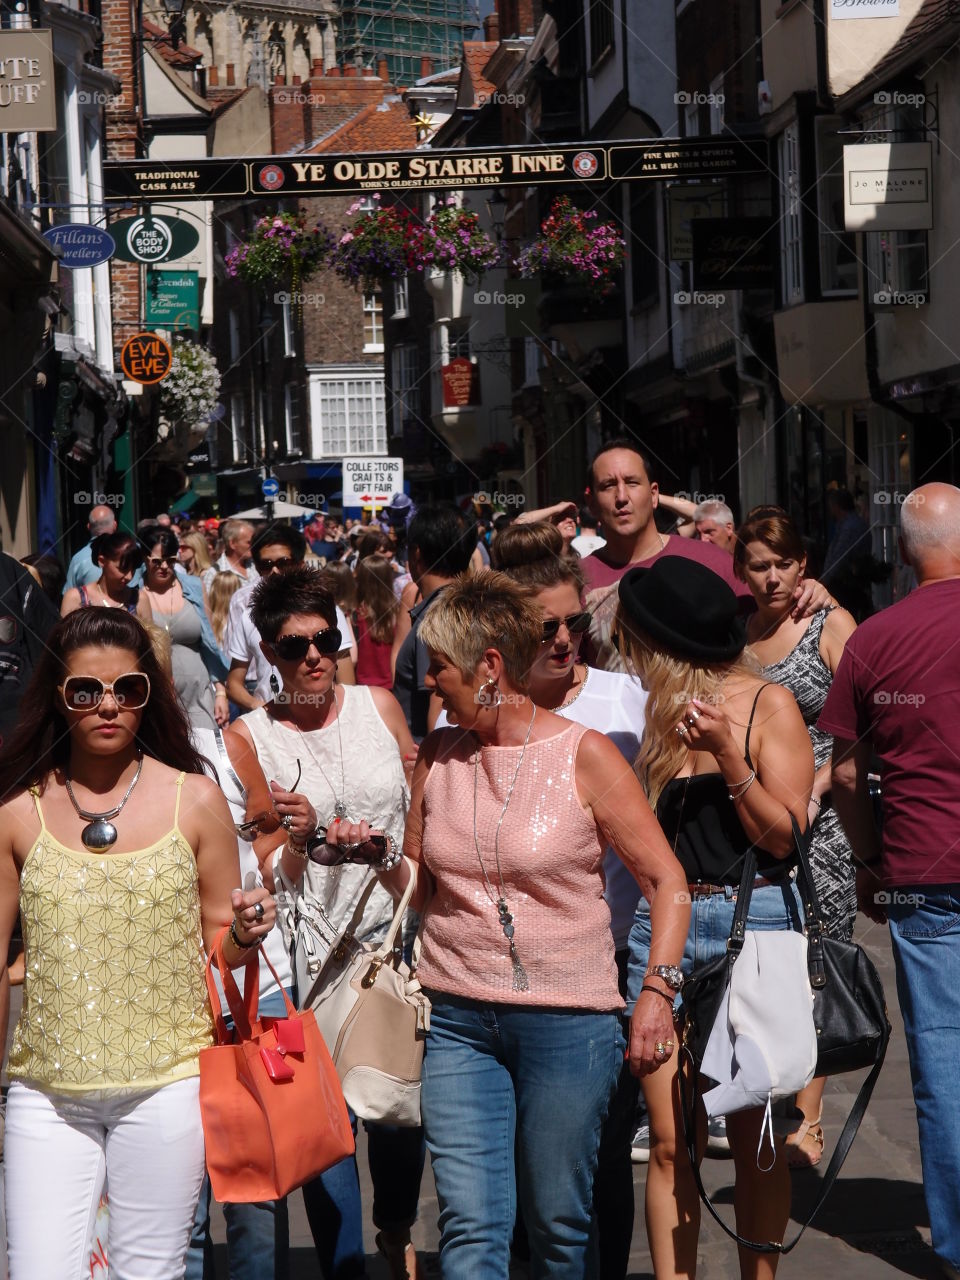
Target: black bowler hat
[[686, 607]]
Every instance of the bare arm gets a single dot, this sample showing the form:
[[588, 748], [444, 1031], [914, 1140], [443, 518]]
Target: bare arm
[[554, 514], [683, 508], [838, 627], [611, 790], [207, 824], [70, 601], [851, 799], [236, 689], [782, 759], [259, 800], [391, 714]]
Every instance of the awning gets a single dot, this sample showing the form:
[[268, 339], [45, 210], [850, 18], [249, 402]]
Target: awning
[[183, 503]]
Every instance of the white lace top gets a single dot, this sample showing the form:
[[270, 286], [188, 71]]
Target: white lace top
[[375, 789]]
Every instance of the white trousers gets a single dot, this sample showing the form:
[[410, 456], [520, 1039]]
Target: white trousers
[[58, 1151]]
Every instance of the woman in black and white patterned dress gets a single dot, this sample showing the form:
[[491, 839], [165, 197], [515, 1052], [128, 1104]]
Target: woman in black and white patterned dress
[[802, 654]]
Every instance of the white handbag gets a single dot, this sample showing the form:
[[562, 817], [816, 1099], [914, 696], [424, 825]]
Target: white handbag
[[368, 1005]]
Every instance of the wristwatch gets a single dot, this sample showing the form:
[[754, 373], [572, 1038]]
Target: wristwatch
[[671, 974]]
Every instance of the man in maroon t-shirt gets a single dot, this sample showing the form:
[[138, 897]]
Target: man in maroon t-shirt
[[622, 496], [896, 695]]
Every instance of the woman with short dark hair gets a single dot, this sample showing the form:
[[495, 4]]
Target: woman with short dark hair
[[345, 744], [119, 556]]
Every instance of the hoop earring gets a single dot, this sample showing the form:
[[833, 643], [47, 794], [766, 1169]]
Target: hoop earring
[[487, 699]]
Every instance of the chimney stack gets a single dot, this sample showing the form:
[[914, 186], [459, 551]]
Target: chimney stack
[[426, 66], [230, 78], [383, 70], [349, 68], [317, 67], [491, 27], [213, 78]]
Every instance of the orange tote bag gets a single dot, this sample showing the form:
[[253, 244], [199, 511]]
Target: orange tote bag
[[272, 1107]]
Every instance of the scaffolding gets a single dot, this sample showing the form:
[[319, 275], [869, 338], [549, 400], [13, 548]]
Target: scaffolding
[[406, 31]]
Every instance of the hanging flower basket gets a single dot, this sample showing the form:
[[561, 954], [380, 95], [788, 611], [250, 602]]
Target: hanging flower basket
[[189, 392], [452, 240], [282, 250], [571, 246], [376, 246]]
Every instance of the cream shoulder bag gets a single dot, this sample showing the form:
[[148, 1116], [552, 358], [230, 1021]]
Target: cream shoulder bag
[[368, 1005]]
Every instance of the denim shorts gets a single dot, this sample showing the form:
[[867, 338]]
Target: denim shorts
[[772, 906]]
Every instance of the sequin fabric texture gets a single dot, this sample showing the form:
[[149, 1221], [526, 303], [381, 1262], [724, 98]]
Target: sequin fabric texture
[[551, 859], [114, 993]]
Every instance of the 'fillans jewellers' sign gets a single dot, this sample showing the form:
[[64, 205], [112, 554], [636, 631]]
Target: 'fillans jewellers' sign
[[81, 245]]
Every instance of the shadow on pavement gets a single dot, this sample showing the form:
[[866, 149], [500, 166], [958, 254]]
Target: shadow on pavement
[[875, 1216]]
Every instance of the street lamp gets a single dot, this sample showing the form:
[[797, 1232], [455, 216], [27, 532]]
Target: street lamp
[[176, 23], [496, 204]]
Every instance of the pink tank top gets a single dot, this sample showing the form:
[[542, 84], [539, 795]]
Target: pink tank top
[[551, 859]]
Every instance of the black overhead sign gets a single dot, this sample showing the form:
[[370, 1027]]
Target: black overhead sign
[[309, 175]]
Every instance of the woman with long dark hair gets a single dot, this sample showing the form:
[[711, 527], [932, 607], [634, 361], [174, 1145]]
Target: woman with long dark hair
[[124, 859]]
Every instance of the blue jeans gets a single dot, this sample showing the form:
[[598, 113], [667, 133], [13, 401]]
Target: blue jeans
[[513, 1101], [772, 906], [333, 1206], [925, 929], [257, 1234]]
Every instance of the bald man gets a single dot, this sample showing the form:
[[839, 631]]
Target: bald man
[[896, 695], [81, 570]]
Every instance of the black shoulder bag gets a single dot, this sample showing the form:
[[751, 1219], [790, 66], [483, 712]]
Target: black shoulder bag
[[849, 1012]]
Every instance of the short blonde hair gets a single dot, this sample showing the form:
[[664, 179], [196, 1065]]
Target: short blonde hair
[[481, 611]]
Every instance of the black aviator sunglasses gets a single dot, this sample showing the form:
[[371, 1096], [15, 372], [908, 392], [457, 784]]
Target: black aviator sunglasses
[[295, 648]]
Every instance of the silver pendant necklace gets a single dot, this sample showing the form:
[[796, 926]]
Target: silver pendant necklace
[[100, 833], [339, 808], [505, 916]]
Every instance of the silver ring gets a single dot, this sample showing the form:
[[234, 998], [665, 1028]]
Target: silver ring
[[287, 822], [681, 729], [693, 717], [258, 910]]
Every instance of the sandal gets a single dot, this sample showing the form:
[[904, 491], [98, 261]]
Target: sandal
[[396, 1247], [806, 1144]]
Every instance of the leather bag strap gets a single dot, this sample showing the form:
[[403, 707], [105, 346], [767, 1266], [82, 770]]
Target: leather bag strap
[[244, 1011], [844, 1143]]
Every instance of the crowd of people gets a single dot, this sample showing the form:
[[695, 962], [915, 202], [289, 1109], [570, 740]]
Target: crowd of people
[[573, 725]]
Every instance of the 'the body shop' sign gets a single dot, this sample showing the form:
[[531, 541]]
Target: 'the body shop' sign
[[28, 100]]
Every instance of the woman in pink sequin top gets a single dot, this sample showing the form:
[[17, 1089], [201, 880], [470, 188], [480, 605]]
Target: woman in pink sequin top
[[511, 811]]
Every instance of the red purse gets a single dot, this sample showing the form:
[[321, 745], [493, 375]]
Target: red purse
[[272, 1107]]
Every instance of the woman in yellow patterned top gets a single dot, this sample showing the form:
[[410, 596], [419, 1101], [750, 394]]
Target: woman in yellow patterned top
[[124, 858]]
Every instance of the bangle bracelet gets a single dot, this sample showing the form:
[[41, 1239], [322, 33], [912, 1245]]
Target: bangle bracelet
[[737, 789], [657, 992], [298, 850], [244, 946], [818, 803], [391, 858]]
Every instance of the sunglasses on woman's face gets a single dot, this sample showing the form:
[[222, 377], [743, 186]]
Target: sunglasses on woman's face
[[268, 566], [156, 561], [295, 648], [82, 693], [576, 624]]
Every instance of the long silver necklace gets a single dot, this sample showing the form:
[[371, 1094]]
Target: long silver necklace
[[339, 808], [568, 702], [520, 980], [100, 833]]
